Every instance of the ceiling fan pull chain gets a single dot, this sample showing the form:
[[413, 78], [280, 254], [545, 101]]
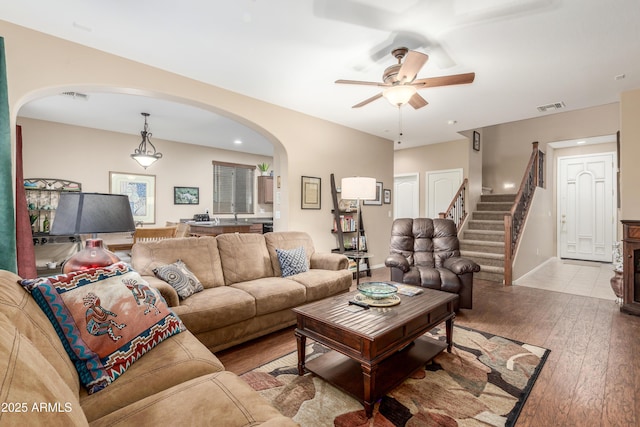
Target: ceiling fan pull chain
[[399, 124]]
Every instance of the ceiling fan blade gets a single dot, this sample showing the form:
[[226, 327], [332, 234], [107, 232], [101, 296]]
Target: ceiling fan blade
[[359, 82], [455, 79], [412, 64], [417, 101], [368, 100]]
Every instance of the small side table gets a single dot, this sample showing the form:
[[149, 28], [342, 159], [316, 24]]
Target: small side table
[[357, 256]]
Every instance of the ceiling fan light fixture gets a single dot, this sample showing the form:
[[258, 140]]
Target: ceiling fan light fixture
[[399, 95], [146, 153]]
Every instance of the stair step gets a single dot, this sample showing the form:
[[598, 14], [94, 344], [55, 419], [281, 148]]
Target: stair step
[[489, 215], [485, 235], [481, 246], [498, 198], [485, 224], [490, 273], [484, 258], [494, 206], [483, 240]]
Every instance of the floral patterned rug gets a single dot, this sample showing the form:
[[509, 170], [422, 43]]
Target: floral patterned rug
[[484, 381]]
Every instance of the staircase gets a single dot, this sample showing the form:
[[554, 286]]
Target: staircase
[[483, 239]]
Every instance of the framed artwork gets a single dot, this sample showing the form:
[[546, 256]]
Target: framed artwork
[[311, 187], [186, 195], [141, 190], [387, 196], [378, 200], [476, 140]]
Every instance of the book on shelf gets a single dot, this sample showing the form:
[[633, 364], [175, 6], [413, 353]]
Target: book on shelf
[[352, 243], [347, 223]]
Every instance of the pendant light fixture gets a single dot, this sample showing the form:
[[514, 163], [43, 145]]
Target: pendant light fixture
[[146, 153]]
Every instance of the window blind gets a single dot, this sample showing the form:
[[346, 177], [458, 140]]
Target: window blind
[[232, 188]]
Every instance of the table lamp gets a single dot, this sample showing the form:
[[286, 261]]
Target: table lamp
[[91, 213], [358, 188]]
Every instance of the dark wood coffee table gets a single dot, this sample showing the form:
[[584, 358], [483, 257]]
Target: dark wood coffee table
[[375, 349]]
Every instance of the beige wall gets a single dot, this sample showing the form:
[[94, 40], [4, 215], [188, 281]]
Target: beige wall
[[629, 155], [54, 150], [506, 147], [429, 158], [39, 65]]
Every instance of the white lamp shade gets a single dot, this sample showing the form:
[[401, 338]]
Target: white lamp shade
[[144, 160], [399, 95], [358, 187]]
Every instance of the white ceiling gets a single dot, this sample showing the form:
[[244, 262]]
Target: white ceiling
[[525, 53]]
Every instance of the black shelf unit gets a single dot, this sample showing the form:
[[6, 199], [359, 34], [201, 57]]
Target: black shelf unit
[[340, 233]]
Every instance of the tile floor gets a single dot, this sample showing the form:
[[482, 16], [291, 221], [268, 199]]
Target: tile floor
[[572, 277]]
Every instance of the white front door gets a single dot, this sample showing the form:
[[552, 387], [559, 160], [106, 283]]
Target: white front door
[[441, 187], [586, 213], [406, 202]]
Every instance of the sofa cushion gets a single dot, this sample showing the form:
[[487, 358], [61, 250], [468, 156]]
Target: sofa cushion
[[220, 399], [174, 361], [180, 278], [23, 312], [106, 318], [28, 380], [273, 294], [199, 253], [324, 283], [292, 261], [215, 308], [244, 257]]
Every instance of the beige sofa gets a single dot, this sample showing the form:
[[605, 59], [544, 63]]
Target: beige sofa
[[178, 382], [244, 295]]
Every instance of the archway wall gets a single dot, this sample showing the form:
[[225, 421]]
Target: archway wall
[[38, 64]]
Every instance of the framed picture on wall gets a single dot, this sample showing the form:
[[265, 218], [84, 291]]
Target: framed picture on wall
[[311, 187], [141, 190], [378, 200], [476, 140], [186, 195]]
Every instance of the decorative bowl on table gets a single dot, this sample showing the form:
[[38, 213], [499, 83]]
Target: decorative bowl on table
[[377, 290]]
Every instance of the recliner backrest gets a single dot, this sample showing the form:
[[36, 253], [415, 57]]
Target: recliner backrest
[[424, 242]]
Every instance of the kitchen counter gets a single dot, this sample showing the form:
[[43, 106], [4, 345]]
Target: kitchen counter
[[213, 228]]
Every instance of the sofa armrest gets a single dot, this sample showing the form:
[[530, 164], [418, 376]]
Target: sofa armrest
[[397, 261], [329, 261], [460, 265], [168, 293]]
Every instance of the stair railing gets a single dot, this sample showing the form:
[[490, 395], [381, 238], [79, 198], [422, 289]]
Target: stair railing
[[456, 210], [514, 220]]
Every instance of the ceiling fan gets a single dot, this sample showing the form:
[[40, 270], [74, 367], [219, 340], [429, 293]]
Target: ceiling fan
[[400, 83]]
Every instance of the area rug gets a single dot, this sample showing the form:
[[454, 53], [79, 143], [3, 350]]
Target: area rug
[[484, 381]]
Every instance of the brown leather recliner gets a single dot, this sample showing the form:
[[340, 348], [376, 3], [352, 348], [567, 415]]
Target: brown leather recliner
[[425, 252]]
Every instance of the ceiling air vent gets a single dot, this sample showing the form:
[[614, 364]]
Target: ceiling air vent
[[551, 107], [76, 95]]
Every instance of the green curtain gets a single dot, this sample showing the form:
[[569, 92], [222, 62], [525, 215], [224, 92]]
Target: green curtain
[[7, 214]]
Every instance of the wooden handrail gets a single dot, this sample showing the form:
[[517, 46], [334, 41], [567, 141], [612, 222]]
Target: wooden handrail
[[456, 210], [515, 218]]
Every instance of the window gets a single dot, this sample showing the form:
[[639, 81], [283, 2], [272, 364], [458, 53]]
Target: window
[[232, 188]]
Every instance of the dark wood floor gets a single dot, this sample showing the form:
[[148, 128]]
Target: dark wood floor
[[592, 376]]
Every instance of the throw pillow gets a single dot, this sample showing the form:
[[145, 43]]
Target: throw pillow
[[292, 261], [180, 278], [106, 318]]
